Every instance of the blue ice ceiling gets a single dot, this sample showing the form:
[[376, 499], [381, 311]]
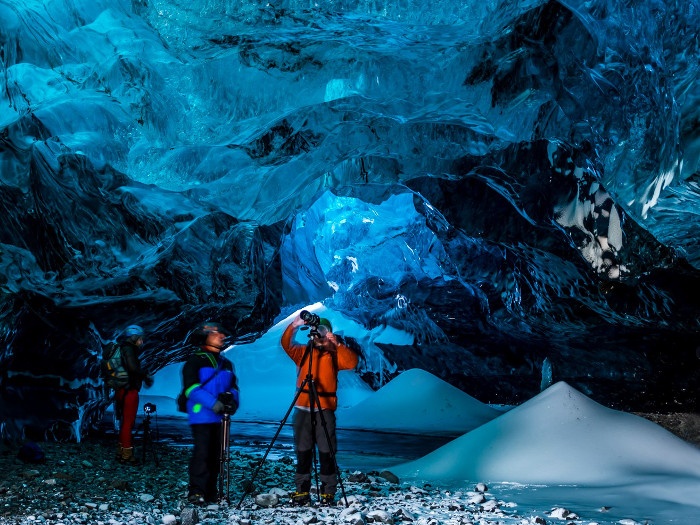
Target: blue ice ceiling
[[515, 184]]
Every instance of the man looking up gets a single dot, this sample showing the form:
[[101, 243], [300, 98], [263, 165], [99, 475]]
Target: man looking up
[[328, 356]]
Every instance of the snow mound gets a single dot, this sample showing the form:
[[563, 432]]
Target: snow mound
[[562, 437], [417, 402]]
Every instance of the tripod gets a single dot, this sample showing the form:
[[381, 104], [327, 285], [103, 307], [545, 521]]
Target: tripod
[[315, 406], [148, 443], [224, 459]]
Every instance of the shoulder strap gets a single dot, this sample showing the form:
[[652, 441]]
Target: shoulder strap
[[334, 357], [218, 369], [122, 363], [115, 347], [210, 377]]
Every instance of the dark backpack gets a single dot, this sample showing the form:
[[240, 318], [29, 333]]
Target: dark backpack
[[112, 366], [30, 452]]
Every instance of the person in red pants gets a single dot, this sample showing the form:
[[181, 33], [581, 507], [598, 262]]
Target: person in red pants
[[126, 398]]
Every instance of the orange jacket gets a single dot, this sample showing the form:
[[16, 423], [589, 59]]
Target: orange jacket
[[323, 369]]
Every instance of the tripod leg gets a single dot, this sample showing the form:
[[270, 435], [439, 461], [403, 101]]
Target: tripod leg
[[248, 488], [329, 441], [152, 446], [224, 464], [148, 444], [314, 446]]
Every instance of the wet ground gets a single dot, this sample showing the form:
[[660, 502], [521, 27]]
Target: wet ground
[[357, 449]]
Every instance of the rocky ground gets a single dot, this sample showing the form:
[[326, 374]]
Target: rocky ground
[[685, 425], [82, 483]]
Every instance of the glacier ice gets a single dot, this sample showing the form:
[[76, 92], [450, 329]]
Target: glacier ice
[[507, 182]]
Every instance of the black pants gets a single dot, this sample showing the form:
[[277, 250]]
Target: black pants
[[304, 441], [205, 462]]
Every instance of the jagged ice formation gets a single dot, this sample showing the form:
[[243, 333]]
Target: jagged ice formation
[[514, 184]]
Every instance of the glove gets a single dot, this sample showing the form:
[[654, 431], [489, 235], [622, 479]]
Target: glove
[[148, 381], [218, 407]]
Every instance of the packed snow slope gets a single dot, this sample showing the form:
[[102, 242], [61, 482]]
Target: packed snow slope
[[561, 436]]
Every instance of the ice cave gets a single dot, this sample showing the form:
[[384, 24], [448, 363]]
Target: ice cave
[[511, 185]]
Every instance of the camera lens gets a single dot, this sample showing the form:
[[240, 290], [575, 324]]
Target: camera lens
[[309, 318]]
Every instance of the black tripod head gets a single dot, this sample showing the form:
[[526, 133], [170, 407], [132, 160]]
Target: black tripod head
[[229, 402], [148, 409]]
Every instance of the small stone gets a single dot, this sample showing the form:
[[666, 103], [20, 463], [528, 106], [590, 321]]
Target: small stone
[[389, 476], [477, 498], [355, 519], [559, 512], [357, 477], [404, 515], [188, 516], [356, 499], [349, 511], [267, 500], [379, 516], [489, 506]]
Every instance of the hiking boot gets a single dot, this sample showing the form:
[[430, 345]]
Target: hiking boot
[[300, 499], [212, 498], [127, 457], [327, 500], [196, 499]]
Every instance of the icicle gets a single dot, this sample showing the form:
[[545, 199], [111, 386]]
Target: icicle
[[546, 374]]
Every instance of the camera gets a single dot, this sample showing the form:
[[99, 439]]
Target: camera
[[312, 320], [309, 318], [149, 408], [228, 401]]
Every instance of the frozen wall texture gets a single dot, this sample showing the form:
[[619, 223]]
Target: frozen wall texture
[[514, 184]]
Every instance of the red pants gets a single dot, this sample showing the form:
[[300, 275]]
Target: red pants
[[127, 405]]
